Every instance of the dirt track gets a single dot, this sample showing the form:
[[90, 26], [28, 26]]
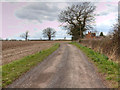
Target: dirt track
[[67, 67]]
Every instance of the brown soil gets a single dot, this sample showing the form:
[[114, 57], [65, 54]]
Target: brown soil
[[14, 50]]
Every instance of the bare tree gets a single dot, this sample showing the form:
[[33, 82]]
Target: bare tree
[[49, 33], [25, 35], [78, 18]]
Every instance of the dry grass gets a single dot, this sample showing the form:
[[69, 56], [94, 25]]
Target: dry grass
[[104, 46]]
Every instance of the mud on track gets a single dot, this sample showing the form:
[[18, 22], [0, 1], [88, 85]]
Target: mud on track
[[67, 67]]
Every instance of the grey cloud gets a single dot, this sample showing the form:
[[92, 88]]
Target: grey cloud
[[39, 12], [111, 8]]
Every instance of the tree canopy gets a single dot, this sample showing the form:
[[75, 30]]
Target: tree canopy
[[78, 18]]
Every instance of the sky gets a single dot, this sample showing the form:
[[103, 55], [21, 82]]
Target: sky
[[19, 17]]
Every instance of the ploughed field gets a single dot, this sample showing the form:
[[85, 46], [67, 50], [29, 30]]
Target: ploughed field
[[14, 50]]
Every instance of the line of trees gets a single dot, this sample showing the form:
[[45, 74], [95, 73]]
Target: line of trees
[[76, 18], [48, 32]]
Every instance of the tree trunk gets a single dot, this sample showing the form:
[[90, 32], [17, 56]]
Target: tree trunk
[[26, 38], [49, 38]]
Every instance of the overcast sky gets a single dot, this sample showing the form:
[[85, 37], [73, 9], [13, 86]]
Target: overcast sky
[[18, 17]]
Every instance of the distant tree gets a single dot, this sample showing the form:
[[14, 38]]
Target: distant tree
[[7, 39], [101, 34], [40, 38], [64, 38], [0, 39], [49, 33], [25, 35]]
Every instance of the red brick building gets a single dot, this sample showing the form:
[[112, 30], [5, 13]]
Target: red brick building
[[90, 35]]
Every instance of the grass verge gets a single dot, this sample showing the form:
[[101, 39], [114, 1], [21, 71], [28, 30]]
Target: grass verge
[[106, 67], [13, 70]]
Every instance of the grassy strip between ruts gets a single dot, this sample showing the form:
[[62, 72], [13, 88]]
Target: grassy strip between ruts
[[13, 70], [105, 66]]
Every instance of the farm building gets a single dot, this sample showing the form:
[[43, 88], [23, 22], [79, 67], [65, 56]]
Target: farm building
[[90, 35]]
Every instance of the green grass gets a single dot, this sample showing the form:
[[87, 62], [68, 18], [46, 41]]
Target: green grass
[[13, 70], [104, 65]]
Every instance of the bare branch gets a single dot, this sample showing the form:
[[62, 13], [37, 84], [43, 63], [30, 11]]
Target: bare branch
[[78, 17], [25, 35]]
